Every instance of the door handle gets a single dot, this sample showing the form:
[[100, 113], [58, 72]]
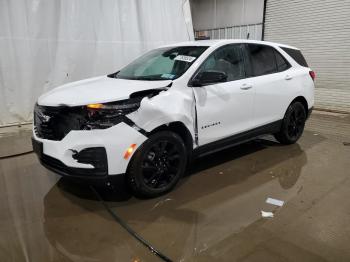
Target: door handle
[[246, 86], [288, 77]]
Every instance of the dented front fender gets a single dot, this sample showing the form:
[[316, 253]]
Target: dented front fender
[[166, 107]]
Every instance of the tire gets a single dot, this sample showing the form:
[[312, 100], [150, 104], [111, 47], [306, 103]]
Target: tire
[[292, 125], [157, 165]]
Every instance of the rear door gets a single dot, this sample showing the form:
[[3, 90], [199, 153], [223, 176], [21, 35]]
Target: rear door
[[272, 78], [224, 109]]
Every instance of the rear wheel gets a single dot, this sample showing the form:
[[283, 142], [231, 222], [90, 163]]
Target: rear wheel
[[293, 124], [157, 165]]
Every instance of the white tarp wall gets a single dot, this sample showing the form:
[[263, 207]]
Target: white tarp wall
[[46, 43]]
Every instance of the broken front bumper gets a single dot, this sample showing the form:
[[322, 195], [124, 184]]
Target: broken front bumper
[[89, 153]]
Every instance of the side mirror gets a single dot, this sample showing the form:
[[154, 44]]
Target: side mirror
[[209, 77]]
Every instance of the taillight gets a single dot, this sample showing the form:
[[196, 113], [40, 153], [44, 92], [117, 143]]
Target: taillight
[[313, 75]]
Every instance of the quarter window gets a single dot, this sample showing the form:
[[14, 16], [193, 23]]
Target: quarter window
[[281, 62], [227, 59]]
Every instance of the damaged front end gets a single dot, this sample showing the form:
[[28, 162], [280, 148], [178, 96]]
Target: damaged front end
[[54, 123]]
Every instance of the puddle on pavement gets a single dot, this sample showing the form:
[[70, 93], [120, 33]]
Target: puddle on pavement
[[222, 195], [41, 220], [213, 214]]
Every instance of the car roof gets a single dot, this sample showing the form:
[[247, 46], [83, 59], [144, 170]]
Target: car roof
[[227, 41]]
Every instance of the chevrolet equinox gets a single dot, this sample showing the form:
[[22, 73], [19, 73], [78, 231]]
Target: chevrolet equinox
[[176, 102]]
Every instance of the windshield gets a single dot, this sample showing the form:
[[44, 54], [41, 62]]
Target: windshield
[[162, 64]]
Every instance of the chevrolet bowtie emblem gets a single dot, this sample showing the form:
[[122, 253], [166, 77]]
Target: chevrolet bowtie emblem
[[44, 118]]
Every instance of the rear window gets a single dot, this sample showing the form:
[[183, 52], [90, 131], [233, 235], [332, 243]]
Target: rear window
[[296, 55]]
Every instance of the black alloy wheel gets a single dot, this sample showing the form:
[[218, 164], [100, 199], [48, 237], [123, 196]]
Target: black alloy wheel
[[157, 165], [161, 164], [296, 122], [293, 124]]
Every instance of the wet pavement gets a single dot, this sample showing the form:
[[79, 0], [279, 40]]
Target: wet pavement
[[212, 215]]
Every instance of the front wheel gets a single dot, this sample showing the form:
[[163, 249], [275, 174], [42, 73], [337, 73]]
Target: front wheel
[[157, 165], [293, 124]]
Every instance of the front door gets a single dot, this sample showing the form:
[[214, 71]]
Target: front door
[[224, 109]]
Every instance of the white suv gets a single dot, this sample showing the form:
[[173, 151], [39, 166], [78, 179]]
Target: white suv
[[149, 119]]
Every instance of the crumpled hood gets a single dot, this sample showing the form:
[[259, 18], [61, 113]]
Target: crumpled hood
[[96, 90]]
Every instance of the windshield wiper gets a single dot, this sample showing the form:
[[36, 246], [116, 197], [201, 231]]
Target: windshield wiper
[[150, 77]]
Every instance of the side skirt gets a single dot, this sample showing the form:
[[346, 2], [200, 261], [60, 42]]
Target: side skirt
[[237, 139]]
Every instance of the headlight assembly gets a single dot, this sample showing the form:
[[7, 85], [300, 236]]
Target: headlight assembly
[[105, 115], [111, 106]]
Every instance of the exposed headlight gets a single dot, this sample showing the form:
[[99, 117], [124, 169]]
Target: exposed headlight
[[102, 116], [114, 106]]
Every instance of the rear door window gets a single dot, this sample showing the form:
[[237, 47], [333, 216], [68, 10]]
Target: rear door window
[[296, 55], [262, 59]]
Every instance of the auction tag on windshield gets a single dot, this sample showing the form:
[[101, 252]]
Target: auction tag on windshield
[[185, 58], [167, 76]]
